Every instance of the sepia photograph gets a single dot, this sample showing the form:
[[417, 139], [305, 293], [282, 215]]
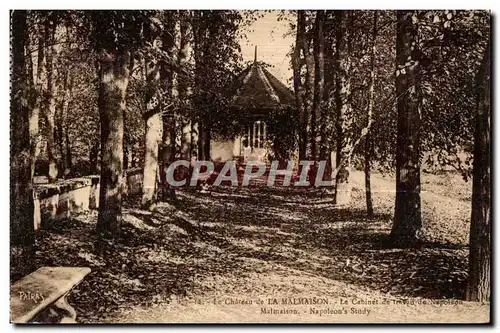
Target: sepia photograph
[[250, 166]]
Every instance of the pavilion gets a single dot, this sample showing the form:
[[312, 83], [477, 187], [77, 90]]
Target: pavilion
[[257, 94]]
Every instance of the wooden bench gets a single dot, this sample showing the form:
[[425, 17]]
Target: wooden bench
[[41, 296]]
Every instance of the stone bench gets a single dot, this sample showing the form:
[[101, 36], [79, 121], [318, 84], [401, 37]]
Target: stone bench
[[40, 297]]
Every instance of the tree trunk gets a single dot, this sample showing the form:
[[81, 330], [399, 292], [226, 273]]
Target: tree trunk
[[154, 127], [68, 163], [59, 139], [184, 87], [153, 136], [342, 195], [368, 188], [298, 87], [202, 48], [309, 112], [197, 51], [479, 283], [368, 138], [329, 81], [167, 79], [168, 111], [113, 81], [194, 137], [94, 157], [62, 126], [407, 217], [204, 141], [38, 102], [50, 101], [319, 46], [21, 182], [69, 156], [126, 152], [127, 144]]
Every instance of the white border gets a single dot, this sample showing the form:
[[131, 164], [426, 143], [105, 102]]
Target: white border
[[147, 4]]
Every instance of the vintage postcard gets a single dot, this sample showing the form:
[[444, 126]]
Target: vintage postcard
[[250, 166]]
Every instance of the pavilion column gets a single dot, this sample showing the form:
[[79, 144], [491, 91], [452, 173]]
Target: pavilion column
[[253, 138], [264, 129], [237, 146], [259, 145]]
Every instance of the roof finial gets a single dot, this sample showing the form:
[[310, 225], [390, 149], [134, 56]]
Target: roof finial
[[255, 58]]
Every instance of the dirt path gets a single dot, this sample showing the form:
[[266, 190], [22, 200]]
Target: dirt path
[[289, 256], [276, 296]]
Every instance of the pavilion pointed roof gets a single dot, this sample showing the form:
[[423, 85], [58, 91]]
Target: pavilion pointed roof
[[256, 87]]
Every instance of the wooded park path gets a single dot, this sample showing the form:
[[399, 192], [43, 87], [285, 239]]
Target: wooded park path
[[234, 254]]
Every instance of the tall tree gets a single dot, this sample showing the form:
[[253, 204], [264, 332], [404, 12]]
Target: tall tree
[[213, 71], [479, 283], [21, 182], [184, 86], [37, 101], [407, 217], [205, 25], [50, 95], [154, 125], [343, 121], [325, 123], [167, 78], [64, 99], [305, 41], [297, 65], [319, 82], [368, 137], [166, 85], [113, 75]]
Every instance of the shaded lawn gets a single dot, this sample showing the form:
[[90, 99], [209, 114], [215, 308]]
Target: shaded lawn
[[165, 252]]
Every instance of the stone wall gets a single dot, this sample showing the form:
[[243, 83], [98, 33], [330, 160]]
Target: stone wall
[[72, 196]]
